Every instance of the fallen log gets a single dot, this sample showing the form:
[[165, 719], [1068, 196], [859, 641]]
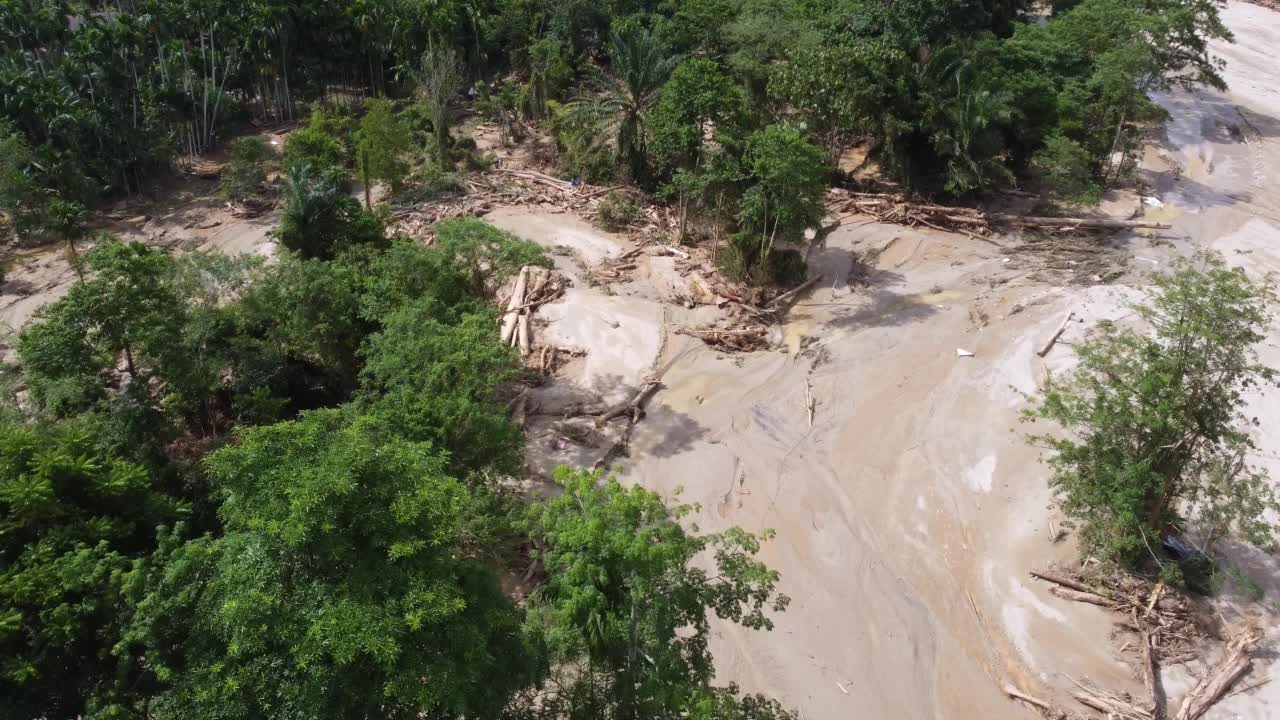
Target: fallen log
[[1013, 692], [1062, 580], [786, 297], [1151, 672], [1215, 683], [1044, 350], [1084, 597], [636, 403], [1076, 222], [526, 345]]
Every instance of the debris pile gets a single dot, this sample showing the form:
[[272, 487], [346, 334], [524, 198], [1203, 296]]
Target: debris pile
[[900, 210], [532, 288], [1161, 627]]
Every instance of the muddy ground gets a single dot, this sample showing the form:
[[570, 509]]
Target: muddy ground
[[910, 509]]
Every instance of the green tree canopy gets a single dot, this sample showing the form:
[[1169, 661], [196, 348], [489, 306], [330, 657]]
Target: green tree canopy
[[346, 584], [626, 601], [1157, 437], [73, 524]]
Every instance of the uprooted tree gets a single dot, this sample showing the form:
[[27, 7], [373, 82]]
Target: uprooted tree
[[1157, 440]]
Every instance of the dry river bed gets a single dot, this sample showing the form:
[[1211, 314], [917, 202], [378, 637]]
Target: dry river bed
[[909, 510]]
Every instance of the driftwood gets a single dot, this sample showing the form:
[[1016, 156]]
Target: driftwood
[[1103, 223], [1044, 350], [526, 346], [740, 340], [781, 302], [1062, 580], [1151, 671], [1084, 597], [1215, 683], [1013, 692], [902, 210], [632, 406]]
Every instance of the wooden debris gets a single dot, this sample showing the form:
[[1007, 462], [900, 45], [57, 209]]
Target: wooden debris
[[1215, 683], [899, 209], [739, 340], [523, 333], [808, 400], [1013, 692], [784, 300], [1113, 706], [1077, 222], [630, 407], [1151, 670], [1044, 350], [1084, 597], [1062, 580], [512, 315]]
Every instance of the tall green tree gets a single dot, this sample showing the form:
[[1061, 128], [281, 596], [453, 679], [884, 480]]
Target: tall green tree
[[786, 185], [320, 220], [621, 94], [74, 524], [381, 143], [347, 584], [625, 610], [1157, 439], [126, 312]]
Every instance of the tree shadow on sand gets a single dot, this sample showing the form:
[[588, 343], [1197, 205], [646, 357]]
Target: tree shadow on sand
[[873, 303]]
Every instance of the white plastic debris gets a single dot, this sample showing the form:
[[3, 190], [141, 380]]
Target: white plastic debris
[[1153, 202], [961, 352]]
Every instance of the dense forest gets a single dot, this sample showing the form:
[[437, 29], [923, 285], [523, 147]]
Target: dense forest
[[234, 488]]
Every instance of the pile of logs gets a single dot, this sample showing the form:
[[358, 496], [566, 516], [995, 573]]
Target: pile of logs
[[1164, 630], [533, 287], [898, 209], [751, 332], [754, 337]]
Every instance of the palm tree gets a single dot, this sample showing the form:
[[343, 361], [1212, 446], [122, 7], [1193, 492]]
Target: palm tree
[[965, 122], [622, 94]]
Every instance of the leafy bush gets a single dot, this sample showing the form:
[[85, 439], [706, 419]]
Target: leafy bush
[[483, 251], [381, 143], [428, 182], [787, 183], [313, 147], [583, 143], [1067, 170], [246, 170], [618, 211], [745, 259]]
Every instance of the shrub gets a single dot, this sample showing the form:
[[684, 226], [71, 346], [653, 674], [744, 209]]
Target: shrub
[[1067, 170], [584, 149], [429, 182], [744, 259], [314, 147], [381, 144], [618, 211], [246, 169]]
